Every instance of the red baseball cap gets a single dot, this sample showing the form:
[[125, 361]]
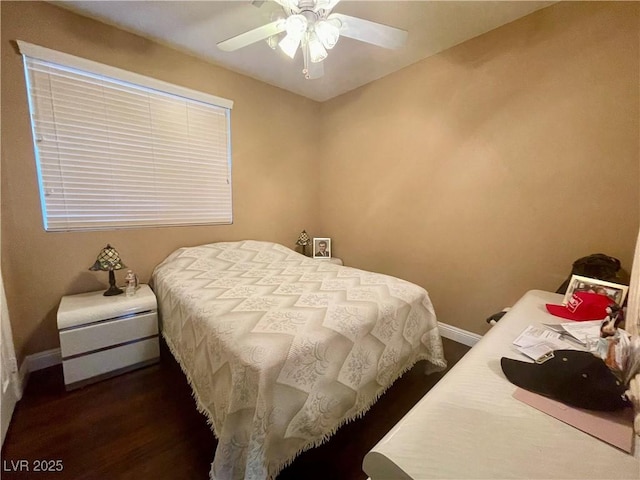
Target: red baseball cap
[[582, 306]]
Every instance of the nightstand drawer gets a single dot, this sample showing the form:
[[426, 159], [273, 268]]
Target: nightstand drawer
[[95, 336], [112, 361]]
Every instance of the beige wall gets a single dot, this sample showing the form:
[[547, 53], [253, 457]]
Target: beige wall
[[479, 173], [485, 171], [273, 188]]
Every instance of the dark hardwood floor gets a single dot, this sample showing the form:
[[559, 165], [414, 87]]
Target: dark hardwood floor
[[144, 425]]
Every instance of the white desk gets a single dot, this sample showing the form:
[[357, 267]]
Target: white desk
[[470, 427]]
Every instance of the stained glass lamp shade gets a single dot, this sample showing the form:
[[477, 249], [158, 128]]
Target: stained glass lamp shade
[[303, 241], [109, 260]]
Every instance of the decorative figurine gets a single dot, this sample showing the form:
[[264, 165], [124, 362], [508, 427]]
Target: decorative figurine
[[615, 316]]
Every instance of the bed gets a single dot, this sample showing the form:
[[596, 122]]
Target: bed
[[280, 349]]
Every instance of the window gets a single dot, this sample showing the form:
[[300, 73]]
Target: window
[[119, 150]]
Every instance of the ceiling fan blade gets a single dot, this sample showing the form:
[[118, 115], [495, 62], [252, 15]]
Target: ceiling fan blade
[[370, 32], [252, 36]]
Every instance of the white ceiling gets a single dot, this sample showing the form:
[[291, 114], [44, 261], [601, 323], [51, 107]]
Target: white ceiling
[[196, 27]]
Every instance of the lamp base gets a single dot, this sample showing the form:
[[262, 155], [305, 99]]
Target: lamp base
[[113, 290]]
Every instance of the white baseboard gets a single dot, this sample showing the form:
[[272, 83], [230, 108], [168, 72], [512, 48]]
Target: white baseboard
[[458, 335], [23, 377], [45, 359], [37, 361]]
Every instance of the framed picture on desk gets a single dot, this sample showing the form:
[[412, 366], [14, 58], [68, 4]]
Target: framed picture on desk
[[616, 291]]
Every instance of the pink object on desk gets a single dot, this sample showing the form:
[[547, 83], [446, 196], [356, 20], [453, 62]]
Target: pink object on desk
[[615, 428]]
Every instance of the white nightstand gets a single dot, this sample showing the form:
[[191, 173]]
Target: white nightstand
[[104, 336]]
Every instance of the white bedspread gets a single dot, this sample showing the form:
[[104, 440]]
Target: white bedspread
[[281, 349]]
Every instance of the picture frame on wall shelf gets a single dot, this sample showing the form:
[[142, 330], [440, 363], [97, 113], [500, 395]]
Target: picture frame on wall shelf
[[616, 291], [322, 247]]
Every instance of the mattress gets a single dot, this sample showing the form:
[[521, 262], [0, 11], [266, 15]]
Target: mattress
[[280, 349]]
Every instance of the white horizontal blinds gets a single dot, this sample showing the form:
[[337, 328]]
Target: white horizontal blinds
[[112, 154]]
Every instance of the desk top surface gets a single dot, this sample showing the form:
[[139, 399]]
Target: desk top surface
[[84, 308], [470, 426]]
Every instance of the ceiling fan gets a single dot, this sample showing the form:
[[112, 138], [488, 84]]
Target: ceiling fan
[[310, 26]]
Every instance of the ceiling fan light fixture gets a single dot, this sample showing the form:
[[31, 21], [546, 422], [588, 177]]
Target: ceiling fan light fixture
[[317, 51], [272, 41], [289, 45], [328, 32], [290, 4], [296, 25]]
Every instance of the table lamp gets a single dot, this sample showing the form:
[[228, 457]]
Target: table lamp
[[109, 260], [303, 241]]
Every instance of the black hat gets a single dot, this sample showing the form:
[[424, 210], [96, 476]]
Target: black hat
[[577, 378]]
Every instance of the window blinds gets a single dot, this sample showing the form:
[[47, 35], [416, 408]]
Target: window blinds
[[115, 154]]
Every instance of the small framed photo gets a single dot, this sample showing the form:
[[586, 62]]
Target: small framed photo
[[578, 283], [321, 248]]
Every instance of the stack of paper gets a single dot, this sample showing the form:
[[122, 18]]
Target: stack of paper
[[587, 333], [536, 343]]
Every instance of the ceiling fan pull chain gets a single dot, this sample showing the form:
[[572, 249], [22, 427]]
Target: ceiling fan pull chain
[[305, 60]]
